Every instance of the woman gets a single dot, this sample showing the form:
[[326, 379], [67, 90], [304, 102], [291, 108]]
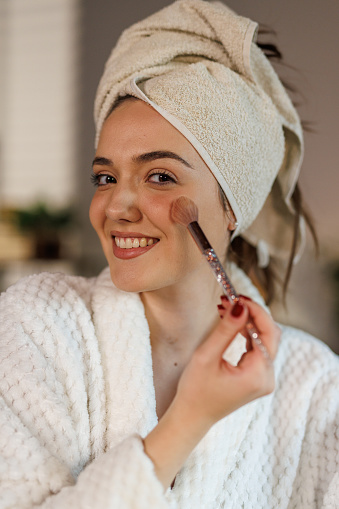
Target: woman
[[115, 389]]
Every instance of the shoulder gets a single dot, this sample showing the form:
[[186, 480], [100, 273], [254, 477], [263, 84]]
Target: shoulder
[[305, 414], [307, 374], [304, 352], [49, 287], [48, 339], [305, 403], [44, 316], [56, 311], [52, 379]]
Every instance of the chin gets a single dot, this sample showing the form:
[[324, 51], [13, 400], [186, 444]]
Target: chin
[[126, 284], [129, 282]]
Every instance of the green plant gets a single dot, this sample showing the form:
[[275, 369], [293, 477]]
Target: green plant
[[45, 225], [39, 218]]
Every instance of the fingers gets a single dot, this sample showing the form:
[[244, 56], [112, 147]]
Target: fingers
[[268, 331], [214, 387], [234, 320], [259, 321], [225, 304], [246, 317]]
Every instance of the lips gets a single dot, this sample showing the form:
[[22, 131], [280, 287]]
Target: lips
[[130, 245]]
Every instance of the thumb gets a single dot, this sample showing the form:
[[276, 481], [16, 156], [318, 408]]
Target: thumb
[[234, 321]]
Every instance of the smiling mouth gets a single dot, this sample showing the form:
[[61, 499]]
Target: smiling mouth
[[134, 242]]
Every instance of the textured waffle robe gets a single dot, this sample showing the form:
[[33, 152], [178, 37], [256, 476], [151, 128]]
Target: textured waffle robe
[[77, 395]]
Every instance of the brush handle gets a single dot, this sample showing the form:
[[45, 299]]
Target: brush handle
[[220, 275], [213, 261], [253, 334], [232, 295], [222, 278]]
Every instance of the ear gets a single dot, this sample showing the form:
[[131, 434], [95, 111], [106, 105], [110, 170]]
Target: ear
[[233, 223]]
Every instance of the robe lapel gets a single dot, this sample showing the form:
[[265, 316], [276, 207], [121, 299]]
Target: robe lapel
[[124, 343]]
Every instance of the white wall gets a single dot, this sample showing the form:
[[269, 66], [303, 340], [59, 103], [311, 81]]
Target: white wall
[[39, 68]]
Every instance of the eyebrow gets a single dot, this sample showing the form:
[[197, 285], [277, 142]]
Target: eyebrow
[[142, 158], [102, 161], [160, 154]]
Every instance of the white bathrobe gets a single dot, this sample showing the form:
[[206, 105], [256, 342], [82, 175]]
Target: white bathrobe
[[77, 393]]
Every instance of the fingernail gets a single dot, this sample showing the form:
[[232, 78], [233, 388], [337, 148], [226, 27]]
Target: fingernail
[[224, 299], [221, 307], [237, 309], [245, 297]]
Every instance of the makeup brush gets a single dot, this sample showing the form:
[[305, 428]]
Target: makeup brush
[[185, 212]]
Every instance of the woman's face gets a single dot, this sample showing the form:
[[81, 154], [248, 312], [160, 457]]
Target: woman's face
[[141, 166]]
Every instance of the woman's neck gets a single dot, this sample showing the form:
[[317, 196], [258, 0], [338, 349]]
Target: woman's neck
[[182, 315]]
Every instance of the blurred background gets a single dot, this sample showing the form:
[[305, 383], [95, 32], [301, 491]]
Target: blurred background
[[52, 53]]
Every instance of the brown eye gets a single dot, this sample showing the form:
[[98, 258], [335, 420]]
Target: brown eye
[[161, 178], [102, 180]]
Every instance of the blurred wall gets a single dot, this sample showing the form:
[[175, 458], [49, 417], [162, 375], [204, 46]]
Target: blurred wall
[[307, 34], [38, 67]]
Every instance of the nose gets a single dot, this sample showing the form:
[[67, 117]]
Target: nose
[[122, 205]]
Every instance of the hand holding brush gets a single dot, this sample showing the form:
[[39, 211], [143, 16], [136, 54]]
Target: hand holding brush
[[185, 212]]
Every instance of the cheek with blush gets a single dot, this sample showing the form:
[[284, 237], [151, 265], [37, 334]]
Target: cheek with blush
[[157, 205]]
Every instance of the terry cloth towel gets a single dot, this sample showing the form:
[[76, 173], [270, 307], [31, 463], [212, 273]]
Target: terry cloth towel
[[197, 64]]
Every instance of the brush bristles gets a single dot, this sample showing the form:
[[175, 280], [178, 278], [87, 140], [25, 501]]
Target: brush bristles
[[184, 211]]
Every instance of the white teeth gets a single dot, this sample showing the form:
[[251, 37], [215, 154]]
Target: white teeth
[[130, 242]]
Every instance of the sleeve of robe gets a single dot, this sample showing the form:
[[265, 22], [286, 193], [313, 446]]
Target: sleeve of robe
[[317, 480], [47, 423]]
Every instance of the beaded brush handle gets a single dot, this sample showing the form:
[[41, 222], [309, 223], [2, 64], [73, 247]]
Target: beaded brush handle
[[222, 278]]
